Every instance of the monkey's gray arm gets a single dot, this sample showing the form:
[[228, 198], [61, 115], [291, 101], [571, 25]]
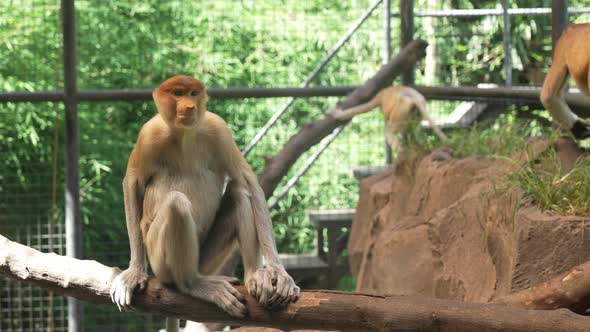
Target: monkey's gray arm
[[239, 170], [262, 219], [133, 193], [261, 283], [135, 276]]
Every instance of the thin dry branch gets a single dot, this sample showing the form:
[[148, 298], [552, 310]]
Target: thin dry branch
[[323, 310], [569, 290]]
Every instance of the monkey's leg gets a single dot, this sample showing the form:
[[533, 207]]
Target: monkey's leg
[[392, 140], [173, 251], [221, 242], [581, 129], [553, 99], [421, 106]]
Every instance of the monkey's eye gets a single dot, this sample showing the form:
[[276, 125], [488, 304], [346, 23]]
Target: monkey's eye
[[194, 93], [177, 93]]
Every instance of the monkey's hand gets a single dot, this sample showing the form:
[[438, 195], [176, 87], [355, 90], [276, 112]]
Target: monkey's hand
[[125, 283], [581, 129], [273, 287]]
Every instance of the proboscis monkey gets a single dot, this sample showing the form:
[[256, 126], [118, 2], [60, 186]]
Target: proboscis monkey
[[397, 103], [570, 57], [177, 210]]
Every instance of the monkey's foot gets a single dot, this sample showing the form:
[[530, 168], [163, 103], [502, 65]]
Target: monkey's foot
[[273, 287], [219, 290], [443, 154], [124, 284], [581, 129]]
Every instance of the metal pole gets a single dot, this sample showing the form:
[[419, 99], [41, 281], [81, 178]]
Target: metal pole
[[308, 80], [25, 96], [220, 93], [387, 56], [507, 43], [505, 95], [406, 9], [559, 19], [72, 155], [146, 95], [450, 93], [491, 12]]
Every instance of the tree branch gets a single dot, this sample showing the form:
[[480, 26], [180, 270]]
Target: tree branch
[[569, 290], [313, 132], [324, 310]]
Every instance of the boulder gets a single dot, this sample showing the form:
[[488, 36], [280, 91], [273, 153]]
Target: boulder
[[452, 228]]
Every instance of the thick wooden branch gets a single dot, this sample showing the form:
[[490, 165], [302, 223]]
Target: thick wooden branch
[[323, 310], [313, 132], [569, 290]]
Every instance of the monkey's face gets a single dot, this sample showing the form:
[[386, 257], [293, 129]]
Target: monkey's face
[[181, 101]]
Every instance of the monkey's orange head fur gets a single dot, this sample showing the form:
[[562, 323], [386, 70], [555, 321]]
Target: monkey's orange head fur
[[181, 101]]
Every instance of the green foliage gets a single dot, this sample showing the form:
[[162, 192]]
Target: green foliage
[[544, 183], [541, 178], [347, 283], [136, 44], [502, 137]]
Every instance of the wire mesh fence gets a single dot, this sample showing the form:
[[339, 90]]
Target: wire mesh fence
[[25, 307], [31, 39], [136, 44]]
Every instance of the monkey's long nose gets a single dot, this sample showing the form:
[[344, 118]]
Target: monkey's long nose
[[187, 110]]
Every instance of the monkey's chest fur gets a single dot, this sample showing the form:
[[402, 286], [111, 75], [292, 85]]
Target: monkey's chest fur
[[198, 179]]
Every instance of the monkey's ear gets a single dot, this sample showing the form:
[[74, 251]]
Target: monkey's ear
[[155, 95], [205, 97], [160, 99]]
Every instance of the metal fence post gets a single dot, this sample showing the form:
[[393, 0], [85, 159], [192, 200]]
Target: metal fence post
[[387, 56], [507, 43], [73, 219], [559, 19], [406, 9]]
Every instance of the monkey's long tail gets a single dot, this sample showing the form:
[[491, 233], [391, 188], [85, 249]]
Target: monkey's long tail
[[349, 113]]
